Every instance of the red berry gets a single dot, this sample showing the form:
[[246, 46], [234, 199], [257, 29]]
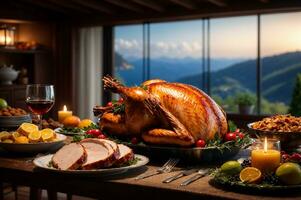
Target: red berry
[[200, 143], [230, 137], [94, 132], [102, 136], [121, 100], [241, 135], [237, 130], [296, 157], [134, 140], [110, 104], [285, 157]]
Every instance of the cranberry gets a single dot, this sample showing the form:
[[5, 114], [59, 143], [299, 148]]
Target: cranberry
[[285, 157], [230, 137], [241, 135], [94, 132], [121, 100], [110, 104], [134, 140], [296, 156], [200, 143]]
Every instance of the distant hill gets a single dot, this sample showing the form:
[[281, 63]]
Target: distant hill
[[278, 76], [170, 69]]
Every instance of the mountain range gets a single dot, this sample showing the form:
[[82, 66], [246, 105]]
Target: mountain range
[[228, 76]]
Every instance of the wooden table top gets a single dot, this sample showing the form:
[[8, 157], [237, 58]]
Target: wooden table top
[[21, 171]]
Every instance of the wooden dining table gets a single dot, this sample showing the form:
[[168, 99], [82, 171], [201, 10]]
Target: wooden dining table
[[20, 170]]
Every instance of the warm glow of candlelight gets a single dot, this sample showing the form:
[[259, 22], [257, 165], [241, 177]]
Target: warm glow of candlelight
[[62, 114], [265, 147]]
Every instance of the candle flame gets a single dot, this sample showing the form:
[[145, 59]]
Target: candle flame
[[265, 144], [65, 108]]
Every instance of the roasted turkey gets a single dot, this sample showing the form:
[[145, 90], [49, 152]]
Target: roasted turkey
[[163, 113]]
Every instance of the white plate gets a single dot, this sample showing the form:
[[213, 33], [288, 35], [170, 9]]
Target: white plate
[[58, 130], [43, 162], [35, 147]]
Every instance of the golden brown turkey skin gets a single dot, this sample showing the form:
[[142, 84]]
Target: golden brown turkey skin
[[195, 110], [165, 113]]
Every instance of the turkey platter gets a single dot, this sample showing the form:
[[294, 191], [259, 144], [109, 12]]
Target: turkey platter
[[162, 113]]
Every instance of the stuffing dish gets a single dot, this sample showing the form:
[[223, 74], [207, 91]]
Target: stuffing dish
[[279, 123]]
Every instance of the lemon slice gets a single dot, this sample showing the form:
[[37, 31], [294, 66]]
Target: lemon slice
[[15, 135], [250, 175], [27, 128], [47, 134], [22, 140], [35, 136], [8, 141]]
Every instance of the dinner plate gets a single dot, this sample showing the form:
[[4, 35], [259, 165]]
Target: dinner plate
[[59, 130], [43, 162], [35, 147]]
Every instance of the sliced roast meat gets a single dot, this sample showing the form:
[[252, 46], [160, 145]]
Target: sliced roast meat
[[126, 155], [100, 154], [114, 146], [69, 157]]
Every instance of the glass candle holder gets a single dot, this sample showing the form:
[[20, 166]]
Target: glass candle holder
[[265, 154]]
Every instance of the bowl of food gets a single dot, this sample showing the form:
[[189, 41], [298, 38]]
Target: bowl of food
[[29, 139], [285, 128], [13, 117]]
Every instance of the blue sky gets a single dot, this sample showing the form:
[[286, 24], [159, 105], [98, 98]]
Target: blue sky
[[233, 37]]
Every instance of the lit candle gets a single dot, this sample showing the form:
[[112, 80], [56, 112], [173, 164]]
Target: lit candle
[[62, 114], [265, 159]]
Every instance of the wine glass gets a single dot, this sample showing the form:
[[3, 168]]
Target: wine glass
[[39, 99]]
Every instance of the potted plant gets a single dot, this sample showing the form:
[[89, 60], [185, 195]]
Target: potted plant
[[245, 102]]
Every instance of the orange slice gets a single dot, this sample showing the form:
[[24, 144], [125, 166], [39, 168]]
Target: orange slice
[[47, 134], [250, 175], [15, 135], [22, 140], [35, 136], [27, 128]]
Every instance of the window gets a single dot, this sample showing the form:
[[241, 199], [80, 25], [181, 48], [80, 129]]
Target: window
[[176, 52], [128, 59], [281, 60], [233, 52], [219, 55]]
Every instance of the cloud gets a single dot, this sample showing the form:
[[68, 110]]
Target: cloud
[[160, 48]]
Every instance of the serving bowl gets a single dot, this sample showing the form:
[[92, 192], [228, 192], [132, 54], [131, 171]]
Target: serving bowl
[[10, 122], [288, 140], [40, 147]]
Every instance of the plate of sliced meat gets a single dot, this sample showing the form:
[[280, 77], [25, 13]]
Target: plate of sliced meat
[[92, 156]]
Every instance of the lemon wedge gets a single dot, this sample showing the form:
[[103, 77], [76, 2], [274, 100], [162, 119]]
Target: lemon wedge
[[22, 140], [27, 128], [250, 175], [15, 135], [47, 134], [35, 136]]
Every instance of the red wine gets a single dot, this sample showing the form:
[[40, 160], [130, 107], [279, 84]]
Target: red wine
[[39, 107]]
